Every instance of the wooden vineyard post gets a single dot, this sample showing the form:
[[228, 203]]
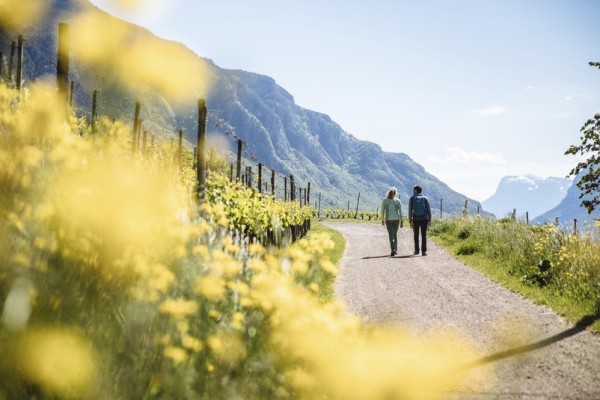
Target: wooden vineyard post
[[527, 217], [249, 176], [231, 172], [239, 161], [357, 202], [441, 207], [285, 186], [71, 94], [11, 61], [21, 40], [136, 123], [575, 227], [94, 108], [201, 150], [62, 64], [260, 178], [308, 194], [273, 183], [292, 189], [1, 64]]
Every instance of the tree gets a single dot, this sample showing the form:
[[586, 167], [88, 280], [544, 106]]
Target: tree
[[589, 184]]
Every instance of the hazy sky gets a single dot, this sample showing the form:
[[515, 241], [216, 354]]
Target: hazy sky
[[473, 90]]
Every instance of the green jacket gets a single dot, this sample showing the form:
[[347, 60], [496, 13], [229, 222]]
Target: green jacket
[[391, 209]]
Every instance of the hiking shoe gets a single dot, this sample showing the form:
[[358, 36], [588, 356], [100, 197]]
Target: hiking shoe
[[416, 253], [424, 253]]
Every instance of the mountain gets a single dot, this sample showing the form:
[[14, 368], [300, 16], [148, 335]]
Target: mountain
[[276, 131], [569, 209], [529, 193]]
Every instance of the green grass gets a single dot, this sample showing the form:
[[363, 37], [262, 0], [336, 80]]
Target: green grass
[[334, 255], [510, 253]]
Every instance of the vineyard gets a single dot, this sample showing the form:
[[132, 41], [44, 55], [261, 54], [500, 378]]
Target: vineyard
[[117, 282]]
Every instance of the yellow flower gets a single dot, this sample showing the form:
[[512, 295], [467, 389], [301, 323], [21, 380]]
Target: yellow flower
[[178, 308], [176, 354], [192, 343], [60, 361], [211, 287]]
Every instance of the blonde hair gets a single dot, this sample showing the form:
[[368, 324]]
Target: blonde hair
[[391, 192]]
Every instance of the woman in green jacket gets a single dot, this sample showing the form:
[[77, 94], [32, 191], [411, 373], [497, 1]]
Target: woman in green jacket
[[391, 216]]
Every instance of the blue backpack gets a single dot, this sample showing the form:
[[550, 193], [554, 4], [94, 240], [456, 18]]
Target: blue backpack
[[418, 206]]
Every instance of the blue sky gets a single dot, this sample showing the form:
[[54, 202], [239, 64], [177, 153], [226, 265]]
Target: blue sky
[[471, 90]]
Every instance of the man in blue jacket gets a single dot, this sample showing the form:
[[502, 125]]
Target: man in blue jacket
[[419, 218]]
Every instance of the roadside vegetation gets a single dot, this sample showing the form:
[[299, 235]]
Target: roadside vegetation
[[543, 263]]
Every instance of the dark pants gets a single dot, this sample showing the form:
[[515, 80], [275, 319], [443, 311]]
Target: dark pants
[[392, 228], [422, 226]]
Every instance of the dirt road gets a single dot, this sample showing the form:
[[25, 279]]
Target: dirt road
[[532, 352]]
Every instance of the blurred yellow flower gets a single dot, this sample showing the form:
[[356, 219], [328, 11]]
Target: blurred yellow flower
[[60, 361], [178, 308], [211, 287], [175, 354]]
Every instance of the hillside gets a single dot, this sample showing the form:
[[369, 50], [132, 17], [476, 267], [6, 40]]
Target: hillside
[[277, 132]]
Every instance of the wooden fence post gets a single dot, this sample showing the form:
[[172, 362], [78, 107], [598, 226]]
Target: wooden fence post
[[260, 178], [357, 202], [62, 64], [136, 122], [308, 194], [201, 173], [20, 64], [292, 188], [527, 217], [71, 94], [249, 176], [285, 186], [575, 227], [239, 161], [11, 61], [273, 183], [94, 108]]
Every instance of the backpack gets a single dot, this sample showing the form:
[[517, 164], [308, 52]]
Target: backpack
[[418, 206]]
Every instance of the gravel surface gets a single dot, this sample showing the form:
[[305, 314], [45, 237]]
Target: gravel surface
[[532, 352]]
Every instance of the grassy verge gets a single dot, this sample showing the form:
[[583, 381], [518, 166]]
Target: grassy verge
[[543, 264], [334, 255]]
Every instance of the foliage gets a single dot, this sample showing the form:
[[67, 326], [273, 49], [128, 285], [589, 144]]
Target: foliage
[[116, 283], [589, 183], [564, 266]]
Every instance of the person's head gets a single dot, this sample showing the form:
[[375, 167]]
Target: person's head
[[391, 192], [417, 189]]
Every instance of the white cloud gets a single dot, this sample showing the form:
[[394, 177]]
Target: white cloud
[[491, 110], [576, 96], [458, 156]]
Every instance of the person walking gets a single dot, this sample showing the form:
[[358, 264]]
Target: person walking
[[391, 216], [419, 218]]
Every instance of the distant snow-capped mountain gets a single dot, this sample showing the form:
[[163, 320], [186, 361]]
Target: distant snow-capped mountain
[[527, 194], [569, 209]]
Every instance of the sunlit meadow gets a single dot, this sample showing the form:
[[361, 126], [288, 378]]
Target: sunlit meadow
[[555, 266]]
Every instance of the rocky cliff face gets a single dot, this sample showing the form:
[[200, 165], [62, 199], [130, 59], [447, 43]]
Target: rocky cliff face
[[252, 107]]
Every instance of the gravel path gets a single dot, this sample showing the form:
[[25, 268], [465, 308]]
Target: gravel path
[[553, 360]]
